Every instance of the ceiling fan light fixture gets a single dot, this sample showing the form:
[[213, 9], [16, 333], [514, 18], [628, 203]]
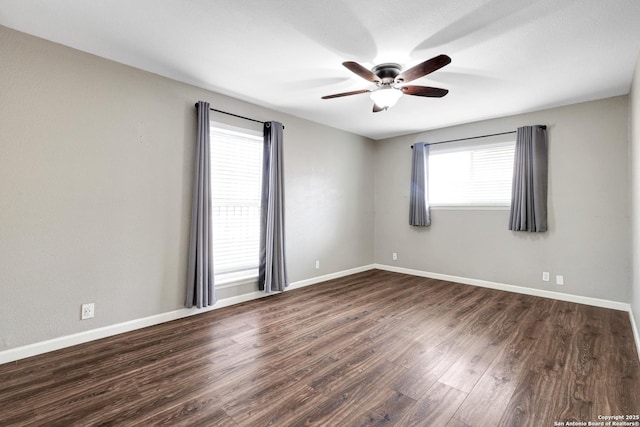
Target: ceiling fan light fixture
[[386, 97]]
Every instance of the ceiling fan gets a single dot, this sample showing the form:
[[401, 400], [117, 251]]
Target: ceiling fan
[[389, 80]]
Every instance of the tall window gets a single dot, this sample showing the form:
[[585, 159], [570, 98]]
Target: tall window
[[476, 174], [236, 165]]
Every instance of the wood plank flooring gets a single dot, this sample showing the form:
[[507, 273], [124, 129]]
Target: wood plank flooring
[[372, 349]]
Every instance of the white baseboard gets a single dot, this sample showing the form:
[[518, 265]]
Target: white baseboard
[[331, 276], [511, 288], [35, 349], [636, 335]]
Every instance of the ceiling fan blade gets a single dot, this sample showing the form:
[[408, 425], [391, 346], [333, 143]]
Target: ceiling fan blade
[[433, 92], [424, 68], [338, 95], [377, 109], [361, 71]]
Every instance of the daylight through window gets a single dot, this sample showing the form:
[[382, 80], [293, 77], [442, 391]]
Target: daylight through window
[[236, 164], [471, 174]]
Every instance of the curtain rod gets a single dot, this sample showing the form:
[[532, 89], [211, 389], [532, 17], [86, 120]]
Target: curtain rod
[[475, 137], [238, 116]]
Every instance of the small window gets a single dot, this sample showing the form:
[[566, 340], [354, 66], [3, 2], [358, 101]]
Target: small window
[[471, 174], [236, 165]]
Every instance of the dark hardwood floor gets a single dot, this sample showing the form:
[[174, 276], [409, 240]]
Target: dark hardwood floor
[[376, 348]]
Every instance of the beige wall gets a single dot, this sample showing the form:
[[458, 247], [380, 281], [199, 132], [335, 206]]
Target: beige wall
[[95, 188], [588, 237], [634, 126]]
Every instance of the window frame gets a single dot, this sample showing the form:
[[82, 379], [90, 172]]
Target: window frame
[[465, 146]]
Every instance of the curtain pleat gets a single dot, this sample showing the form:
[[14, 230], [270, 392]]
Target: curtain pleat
[[419, 214], [200, 288], [272, 270], [529, 187]]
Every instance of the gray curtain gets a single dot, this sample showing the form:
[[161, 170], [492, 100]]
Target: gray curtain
[[272, 270], [200, 289], [419, 214], [529, 188]]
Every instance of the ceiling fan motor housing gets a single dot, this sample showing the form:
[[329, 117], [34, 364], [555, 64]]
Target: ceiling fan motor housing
[[386, 72]]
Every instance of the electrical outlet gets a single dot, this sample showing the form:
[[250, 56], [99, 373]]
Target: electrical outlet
[[545, 276], [394, 256], [317, 264], [559, 280], [87, 311]]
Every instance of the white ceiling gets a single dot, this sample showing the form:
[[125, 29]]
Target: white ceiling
[[508, 56]]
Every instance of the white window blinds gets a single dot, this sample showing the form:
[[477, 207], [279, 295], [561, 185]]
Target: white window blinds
[[236, 165], [471, 174]]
